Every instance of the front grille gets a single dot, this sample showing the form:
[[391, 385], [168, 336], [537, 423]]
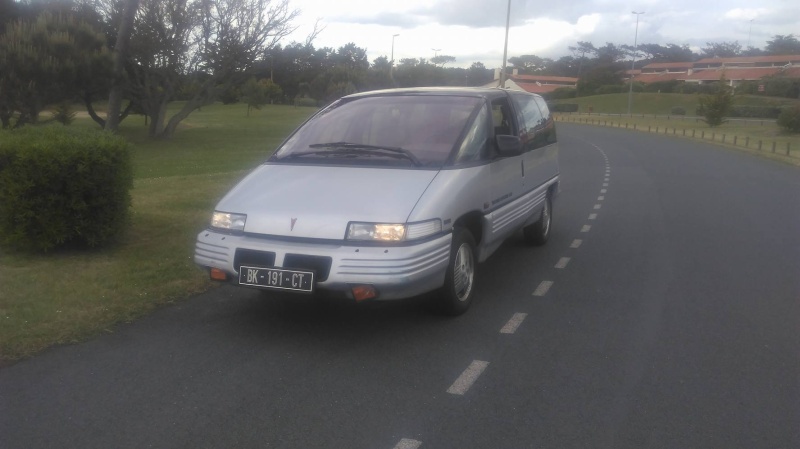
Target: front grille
[[320, 265], [249, 257]]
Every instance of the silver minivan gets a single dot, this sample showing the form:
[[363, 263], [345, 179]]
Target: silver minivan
[[390, 194]]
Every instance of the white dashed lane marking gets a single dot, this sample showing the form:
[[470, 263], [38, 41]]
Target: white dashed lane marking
[[576, 243], [468, 377], [562, 263], [513, 323], [597, 206], [407, 443], [603, 190], [592, 216], [601, 198], [542, 289], [586, 228]]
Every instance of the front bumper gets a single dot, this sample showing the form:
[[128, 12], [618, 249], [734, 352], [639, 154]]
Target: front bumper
[[395, 271]]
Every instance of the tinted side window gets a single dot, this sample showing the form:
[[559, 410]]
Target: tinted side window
[[549, 131], [532, 118]]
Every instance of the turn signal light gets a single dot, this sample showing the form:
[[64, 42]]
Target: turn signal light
[[218, 275], [363, 292]]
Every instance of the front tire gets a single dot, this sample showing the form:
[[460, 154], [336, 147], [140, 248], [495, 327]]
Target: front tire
[[538, 233], [459, 282]]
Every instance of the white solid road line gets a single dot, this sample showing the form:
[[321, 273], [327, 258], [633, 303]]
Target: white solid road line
[[543, 287], [576, 243], [468, 377], [513, 323], [407, 443], [562, 263]]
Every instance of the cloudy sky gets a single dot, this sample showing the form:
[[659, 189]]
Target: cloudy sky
[[473, 30]]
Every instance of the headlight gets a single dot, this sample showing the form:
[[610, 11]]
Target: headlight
[[228, 221], [392, 232]]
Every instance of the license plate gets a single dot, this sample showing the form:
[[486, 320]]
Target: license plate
[[277, 278]]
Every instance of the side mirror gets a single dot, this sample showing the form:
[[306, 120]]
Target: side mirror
[[508, 145]]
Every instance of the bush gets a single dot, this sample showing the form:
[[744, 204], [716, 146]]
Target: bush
[[62, 187], [755, 111], [611, 89], [790, 119], [561, 93], [563, 107], [63, 113], [677, 110]]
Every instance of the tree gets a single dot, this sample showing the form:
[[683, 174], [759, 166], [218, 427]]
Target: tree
[[783, 45], [122, 43], [530, 63], [220, 39], [716, 106], [257, 93], [722, 49], [598, 76], [609, 53], [49, 59], [441, 60], [662, 53], [478, 74]]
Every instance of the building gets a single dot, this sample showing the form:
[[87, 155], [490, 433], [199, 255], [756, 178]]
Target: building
[[537, 84], [708, 70]]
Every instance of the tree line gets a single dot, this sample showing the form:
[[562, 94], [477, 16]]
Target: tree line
[[138, 56]]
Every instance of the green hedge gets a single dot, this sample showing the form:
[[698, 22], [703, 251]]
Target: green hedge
[[563, 107], [62, 187], [755, 111]]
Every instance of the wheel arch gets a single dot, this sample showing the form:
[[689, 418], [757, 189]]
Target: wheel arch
[[473, 222]]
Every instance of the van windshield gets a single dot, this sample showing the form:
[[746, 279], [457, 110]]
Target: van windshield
[[408, 130]]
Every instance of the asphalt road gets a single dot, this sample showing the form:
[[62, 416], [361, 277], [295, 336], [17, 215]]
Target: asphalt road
[[663, 313]]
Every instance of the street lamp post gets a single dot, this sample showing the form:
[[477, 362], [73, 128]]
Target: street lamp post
[[391, 62], [750, 32], [633, 64], [505, 48]]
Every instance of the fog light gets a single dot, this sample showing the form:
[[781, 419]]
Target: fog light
[[218, 275], [363, 292]]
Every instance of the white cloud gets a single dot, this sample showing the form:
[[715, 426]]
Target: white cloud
[[473, 30], [745, 14]]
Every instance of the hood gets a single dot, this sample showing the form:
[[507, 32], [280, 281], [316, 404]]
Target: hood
[[319, 201]]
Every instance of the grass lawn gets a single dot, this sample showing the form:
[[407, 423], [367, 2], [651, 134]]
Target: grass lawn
[[67, 297]]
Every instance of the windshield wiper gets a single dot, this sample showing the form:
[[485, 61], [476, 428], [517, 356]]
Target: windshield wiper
[[359, 148]]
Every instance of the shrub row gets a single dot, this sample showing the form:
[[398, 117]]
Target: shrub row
[[755, 111], [563, 107], [62, 187]]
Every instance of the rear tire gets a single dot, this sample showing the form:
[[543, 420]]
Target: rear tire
[[456, 295], [538, 233]]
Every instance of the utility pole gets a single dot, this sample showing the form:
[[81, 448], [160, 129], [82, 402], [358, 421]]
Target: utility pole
[[633, 64], [505, 48]]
